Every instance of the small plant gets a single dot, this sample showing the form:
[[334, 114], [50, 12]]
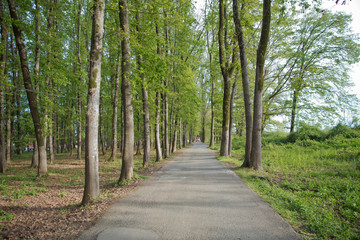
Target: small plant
[[62, 194], [4, 216]]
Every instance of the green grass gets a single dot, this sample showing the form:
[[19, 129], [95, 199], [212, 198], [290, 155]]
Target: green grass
[[314, 185]]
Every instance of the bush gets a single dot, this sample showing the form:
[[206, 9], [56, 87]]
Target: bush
[[306, 132], [344, 131]]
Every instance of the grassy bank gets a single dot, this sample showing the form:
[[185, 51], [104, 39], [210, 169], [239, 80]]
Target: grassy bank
[[313, 184]]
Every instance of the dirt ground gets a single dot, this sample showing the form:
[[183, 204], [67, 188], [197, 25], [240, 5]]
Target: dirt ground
[[49, 208]]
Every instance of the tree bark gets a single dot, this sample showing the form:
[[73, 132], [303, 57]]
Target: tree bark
[[226, 71], [256, 162], [3, 73], [79, 100], [293, 110], [101, 135], [128, 156], [245, 83], [31, 95], [231, 115], [157, 129], [91, 189], [115, 106]]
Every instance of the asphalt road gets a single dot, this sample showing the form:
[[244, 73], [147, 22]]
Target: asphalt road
[[193, 197]]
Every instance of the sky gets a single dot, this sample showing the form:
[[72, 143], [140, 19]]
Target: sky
[[351, 7]]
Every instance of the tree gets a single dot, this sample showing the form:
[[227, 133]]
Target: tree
[[255, 156], [91, 189], [128, 151], [245, 82], [227, 69], [3, 73], [31, 95]]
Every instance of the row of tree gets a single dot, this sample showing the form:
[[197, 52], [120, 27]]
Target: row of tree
[[297, 69], [139, 56], [131, 75]]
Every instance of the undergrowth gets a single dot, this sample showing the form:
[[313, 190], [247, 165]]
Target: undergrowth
[[313, 183]]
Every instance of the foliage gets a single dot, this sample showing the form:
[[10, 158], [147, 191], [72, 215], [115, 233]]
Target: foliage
[[313, 186], [306, 132]]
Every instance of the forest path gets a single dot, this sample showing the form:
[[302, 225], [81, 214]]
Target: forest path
[[193, 197]]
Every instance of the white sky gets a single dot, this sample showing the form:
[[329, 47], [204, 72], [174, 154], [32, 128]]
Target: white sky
[[353, 7]]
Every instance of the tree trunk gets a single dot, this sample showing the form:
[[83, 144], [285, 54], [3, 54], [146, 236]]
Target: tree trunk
[[31, 95], [212, 128], [184, 135], [79, 100], [35, 156], [293, 110], [138, 143], [146, 158], [101, 135], [179, 134], [115, 108], [128, 156], [226, 71], [224, 149], [231, 114], [8, 126], [157, 129], [256, 162], [3, 73], [174, 142], [245, 83], [91, 189]]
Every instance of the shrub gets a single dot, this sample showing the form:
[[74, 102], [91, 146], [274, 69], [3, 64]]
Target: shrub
[[306, 132], [344, 131]]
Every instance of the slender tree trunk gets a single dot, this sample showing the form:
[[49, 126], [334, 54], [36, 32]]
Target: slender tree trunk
[[293, 110], [79, 100], [212, 127], [157, 129], [245, 83], [231, 114], [173, 149], [91, 188], [35, 156], [180, 134], [115, 108], [157, 115], [226, 118], [256, 162], [8, 126], [101, 135], [165, 96], [226, 71], [146, 158], [128, 156], [138, 152], [31, 95], [185, 135], [3, 73], [16, 101]]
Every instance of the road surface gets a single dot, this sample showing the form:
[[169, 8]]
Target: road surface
[[193, 197]]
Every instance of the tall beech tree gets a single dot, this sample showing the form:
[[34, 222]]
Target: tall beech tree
[[227, 57], [255, 156], [245, 82], [91, 189], [128, 151], [31, 94], [3, 73]]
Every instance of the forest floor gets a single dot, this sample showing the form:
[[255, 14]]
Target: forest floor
[[49, 208]]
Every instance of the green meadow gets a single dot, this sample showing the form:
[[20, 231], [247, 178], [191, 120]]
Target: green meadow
[[311, 177]]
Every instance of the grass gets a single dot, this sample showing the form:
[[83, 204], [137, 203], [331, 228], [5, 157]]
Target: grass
[[314, 185]]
